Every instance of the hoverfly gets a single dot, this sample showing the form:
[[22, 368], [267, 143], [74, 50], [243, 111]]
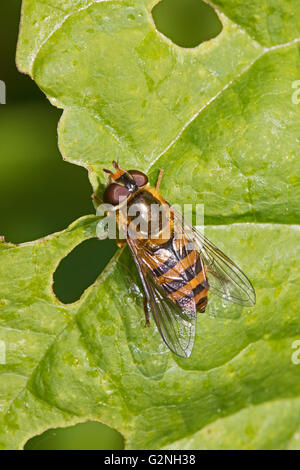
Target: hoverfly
[[178, 267]]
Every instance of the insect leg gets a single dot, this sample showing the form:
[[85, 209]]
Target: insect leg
[[96, 199], [161, 172], [146, 311]]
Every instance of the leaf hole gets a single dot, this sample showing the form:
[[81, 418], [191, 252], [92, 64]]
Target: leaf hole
[[84, 436], [80, 268], [187, 23]]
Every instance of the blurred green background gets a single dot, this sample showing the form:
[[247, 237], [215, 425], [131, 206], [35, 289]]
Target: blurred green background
[[41, 194]]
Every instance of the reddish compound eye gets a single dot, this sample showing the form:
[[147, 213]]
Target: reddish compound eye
[[113, 192], [140, 178]]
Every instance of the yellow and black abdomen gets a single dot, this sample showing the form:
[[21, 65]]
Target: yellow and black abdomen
[[175, 265], [181, 274]]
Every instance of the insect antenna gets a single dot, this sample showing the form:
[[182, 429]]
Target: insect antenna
[[108, 171], [116, 166]]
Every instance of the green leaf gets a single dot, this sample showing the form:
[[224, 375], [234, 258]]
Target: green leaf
[[220, 119]]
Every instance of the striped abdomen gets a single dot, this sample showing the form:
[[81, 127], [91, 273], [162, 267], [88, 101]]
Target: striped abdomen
[[181, 273]]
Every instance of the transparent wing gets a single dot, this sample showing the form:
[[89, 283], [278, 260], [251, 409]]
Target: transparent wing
[[224, 277], [176, 325]]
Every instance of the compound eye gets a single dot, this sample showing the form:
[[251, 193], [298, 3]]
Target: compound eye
[[113, 193], [140, 178]]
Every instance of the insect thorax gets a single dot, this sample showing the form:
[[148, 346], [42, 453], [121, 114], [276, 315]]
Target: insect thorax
[[147, 218]]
